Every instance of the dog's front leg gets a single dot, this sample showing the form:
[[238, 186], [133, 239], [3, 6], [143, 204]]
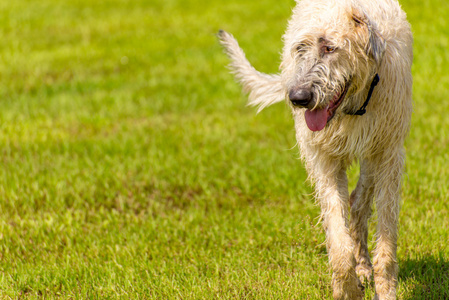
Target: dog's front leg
[[332, 192]]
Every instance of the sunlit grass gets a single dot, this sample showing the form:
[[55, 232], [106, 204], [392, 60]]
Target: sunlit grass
[[132, 168]]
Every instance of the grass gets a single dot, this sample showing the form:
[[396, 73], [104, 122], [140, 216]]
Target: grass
[[131, 167]]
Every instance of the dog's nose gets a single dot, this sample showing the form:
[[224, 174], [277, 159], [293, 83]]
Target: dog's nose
[[300, 97]]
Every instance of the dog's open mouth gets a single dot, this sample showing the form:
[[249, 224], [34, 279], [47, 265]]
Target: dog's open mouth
[[317, 119]]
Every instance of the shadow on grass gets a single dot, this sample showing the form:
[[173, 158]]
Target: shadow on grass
[[426, 278]]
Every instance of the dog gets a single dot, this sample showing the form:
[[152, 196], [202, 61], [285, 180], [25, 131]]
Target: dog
[[346, 75]]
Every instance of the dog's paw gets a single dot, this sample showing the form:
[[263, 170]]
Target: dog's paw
[[364, 273]]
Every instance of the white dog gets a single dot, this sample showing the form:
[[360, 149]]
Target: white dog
[[346, 74]]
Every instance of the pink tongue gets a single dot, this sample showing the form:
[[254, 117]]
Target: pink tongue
[[316, 119]]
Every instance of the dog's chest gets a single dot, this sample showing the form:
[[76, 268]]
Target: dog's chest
[[344, 139]]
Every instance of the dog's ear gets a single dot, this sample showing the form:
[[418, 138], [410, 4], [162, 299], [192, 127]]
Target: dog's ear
[[376, 43]]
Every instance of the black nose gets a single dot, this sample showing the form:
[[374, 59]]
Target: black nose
[[300, 97]]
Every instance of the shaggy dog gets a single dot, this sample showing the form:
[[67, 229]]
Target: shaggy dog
[[346, 75]]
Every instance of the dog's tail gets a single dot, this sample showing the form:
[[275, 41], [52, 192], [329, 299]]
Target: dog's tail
[[263, 89]]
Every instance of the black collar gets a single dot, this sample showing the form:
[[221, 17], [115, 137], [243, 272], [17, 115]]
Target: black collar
[[362, 109]]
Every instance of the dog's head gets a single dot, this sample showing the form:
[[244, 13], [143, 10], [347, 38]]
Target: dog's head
[[331, 54]]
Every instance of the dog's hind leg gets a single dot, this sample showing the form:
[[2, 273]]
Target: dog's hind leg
[[360, 201]]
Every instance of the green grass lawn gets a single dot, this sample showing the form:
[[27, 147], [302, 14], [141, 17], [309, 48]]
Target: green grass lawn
[[131, 167]]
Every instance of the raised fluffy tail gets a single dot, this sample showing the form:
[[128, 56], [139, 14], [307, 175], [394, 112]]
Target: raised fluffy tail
[[263, 89]]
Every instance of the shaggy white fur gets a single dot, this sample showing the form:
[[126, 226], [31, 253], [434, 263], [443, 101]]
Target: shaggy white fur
[[332, 51]]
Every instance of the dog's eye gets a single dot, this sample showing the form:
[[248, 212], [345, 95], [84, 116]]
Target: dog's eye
[[300, 48], [329, 49]]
